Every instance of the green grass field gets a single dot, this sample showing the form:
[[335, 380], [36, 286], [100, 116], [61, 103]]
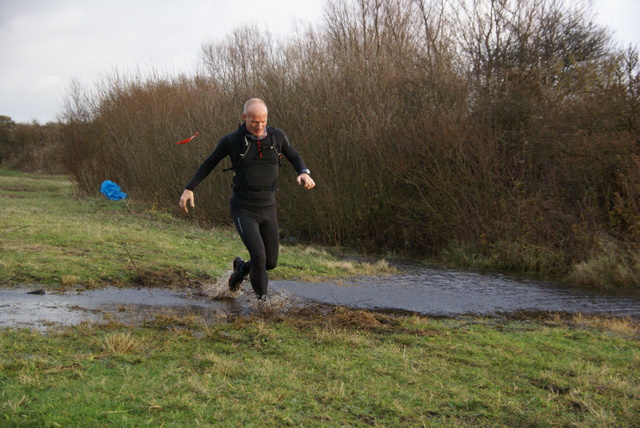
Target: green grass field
[[338, 368], [49, 235], [308, 366]]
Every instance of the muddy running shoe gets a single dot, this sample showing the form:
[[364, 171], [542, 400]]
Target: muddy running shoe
[[235, 280]]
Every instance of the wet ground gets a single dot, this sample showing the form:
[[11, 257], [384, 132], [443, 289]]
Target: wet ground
[[450, 293], [417, 289], [20, 308]]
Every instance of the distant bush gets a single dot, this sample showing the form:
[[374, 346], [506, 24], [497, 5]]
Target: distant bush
[[30, 147]]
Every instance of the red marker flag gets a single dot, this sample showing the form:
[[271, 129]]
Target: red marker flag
[[188, 139]]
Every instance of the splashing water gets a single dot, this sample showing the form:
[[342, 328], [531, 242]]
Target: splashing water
[[281, 301], [219, 290]]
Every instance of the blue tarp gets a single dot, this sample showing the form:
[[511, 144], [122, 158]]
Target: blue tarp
[[112, 191]]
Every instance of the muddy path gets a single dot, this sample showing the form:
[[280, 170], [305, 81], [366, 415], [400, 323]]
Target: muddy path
[[416, 289], [27, 306]]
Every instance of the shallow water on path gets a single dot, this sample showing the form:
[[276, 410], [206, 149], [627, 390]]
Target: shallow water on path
[[18, 308], [449, 292], [416, 289]]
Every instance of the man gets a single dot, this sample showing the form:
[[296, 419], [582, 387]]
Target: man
[[255, 151]]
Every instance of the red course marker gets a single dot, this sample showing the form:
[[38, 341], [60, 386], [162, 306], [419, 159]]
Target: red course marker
[[188, 139]]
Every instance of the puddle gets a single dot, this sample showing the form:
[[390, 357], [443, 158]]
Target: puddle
[[420, 290], [442, 292], [24, 307], [19, 309]]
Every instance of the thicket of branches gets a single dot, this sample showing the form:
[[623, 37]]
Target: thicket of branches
[[30, 147], [505, 128]]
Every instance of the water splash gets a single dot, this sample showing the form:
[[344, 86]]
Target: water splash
[[219, 290], [280, 302], [276, 302]]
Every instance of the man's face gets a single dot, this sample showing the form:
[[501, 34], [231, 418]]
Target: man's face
[[256, 119]]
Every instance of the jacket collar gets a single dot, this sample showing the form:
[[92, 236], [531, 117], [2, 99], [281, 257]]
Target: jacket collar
[[250, 136]]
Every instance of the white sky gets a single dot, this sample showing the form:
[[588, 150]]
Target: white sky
[[45, 44]]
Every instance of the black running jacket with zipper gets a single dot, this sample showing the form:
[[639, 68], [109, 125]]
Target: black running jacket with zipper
[[255, 164]]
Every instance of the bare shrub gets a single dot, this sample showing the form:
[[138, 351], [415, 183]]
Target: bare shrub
[[488, 125], [30, 147]]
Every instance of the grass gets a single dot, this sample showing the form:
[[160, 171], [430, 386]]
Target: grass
[[280, 366], [610, 267], [334, 368], [50, 235]]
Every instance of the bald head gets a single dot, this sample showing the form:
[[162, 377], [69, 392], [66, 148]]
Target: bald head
[[253, 102], [255, 117]]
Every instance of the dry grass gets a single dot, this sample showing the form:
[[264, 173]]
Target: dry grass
[[15, 405], [361, 268], [313, 251], [118, 343], [622, 325], [359, 319], [610, 267], [69, 280]]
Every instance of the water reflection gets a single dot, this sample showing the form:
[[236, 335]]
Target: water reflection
[[448, 292], [19, 308], [416, 289]]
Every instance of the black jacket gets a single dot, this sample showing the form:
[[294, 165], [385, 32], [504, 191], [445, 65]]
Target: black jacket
[[255, 164]]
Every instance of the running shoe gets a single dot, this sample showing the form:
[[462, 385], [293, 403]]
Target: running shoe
[[235, 280]]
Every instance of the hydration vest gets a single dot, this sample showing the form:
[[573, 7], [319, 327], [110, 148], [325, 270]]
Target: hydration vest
[[276, 145]]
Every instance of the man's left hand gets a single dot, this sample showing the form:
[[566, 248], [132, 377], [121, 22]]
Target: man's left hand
[[306, 181]]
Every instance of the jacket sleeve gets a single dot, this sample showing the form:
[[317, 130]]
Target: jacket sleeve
[[291, 153], [221, 151]]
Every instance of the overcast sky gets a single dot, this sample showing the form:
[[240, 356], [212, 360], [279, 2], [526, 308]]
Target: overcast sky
[[45, 44]]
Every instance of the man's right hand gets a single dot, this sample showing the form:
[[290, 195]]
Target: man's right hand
[[187, 199]]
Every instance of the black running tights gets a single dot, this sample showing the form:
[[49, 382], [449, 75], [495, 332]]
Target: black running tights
[[258, 228]]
